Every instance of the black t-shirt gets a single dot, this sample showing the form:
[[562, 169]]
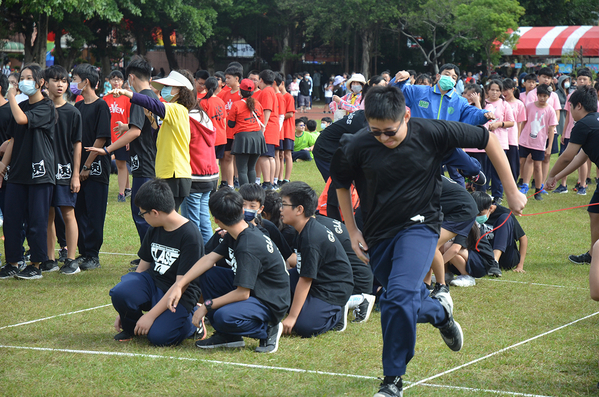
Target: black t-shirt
[[321, 257], [342, 235], [67, 133], [290, 235], [485, 249], [401, 187], [457, 204], [172, 254], [95, 118], [494, 217], [5, 117], [275, 235], [259, 266], [32, 161], [142, 151], [328, 140], [304, 87], [586, 133]]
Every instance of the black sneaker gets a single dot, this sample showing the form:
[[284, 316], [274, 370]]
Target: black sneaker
[[342, 323], [70, 267], [494, 270], [284, 181], [267, 186], [80, 259], [223, 184], [8, 271], [479, 179], [123, 337], [26, 256], [220, 340], [392, 386], [62, 255], [127, 192], [235, 183], [30, 273], [439, 288], [582, 259], [538, 195], [49, 266], [90, 263], [430, 287], [362, 312], [271, 343], [588, 181], [451, 332], [497, 201], [134, 263], [200, 333]]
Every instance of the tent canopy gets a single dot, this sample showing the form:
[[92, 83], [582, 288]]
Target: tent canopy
[[555, 41]]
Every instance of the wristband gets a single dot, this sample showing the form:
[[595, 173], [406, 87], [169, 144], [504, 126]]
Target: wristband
[[208, 304], [106, 151], [502, 126], [85, 168]]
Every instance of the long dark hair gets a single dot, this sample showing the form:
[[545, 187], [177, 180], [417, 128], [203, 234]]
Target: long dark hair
[[249, 101], [272, 207], [211, 85], [187, 97]]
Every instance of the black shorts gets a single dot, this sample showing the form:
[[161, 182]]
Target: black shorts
[[121, 154], [563, 147], [287, 144], [537, 155], [220, 151], [63, 197], [594, 200], [555, 146], [270, 151], [459, 228], [279, 146], [229, 145], [179, 186]]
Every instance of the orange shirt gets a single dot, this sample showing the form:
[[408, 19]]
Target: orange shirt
[[200, 96], [119, 111], [289, 124], [215, 108], [268, 100], [244, 119], [229, 98], [282, 107]]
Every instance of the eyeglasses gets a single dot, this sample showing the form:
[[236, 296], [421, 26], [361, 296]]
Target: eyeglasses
[[287, 205], [143, 213], [388, 133]]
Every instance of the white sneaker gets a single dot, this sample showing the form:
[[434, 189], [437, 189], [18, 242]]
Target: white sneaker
[[463, 281]]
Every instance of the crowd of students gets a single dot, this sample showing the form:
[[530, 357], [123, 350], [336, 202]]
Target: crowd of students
[[285, 261]]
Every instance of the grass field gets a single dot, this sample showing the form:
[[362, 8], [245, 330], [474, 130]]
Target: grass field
[[532, 334]]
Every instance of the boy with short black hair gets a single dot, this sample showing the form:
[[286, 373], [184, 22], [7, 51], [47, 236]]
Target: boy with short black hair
[[322, 280], [169, 249], [251, 298], [311, 126], [268, 99], [67, 149], [90, 209], [233, 77], [288, 132], [400, 244]]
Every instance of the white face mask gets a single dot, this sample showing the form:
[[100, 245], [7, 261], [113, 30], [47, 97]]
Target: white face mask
[[567, 85], [356, 88]]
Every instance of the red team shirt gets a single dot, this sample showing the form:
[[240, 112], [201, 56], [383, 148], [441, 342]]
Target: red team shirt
[[244, 119], [289, 124], [268, 99], [119, 111], [229, 99], [282, 106], [215, 108]]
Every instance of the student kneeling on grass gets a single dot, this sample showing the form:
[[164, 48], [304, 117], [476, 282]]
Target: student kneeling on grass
[[251, 298], [322, 280], [170, 247]]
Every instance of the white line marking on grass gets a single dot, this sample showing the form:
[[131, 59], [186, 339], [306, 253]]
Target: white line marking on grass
[[509, 393], [498, 351], [58, 315], [539, 284]]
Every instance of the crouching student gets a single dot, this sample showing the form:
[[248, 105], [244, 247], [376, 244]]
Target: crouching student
[[509, 241], [322, 280], [251, 298], [170, 247]]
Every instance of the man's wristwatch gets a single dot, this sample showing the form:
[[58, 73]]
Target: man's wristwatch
[[208, 304], [85, 168]]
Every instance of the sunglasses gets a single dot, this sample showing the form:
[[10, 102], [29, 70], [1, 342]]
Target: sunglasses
[[388, 133]]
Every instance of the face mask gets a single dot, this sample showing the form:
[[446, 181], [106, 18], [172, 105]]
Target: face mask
[[356, 89], [74, 87], [166, 93], [482, 218], [27, 87], [249, 215], [131, 86], [567, 85], [515, 80], [446, 83], [323, 126]]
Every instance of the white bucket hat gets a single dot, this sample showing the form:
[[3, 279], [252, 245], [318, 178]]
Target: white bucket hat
[[358, 77], [174, 79]]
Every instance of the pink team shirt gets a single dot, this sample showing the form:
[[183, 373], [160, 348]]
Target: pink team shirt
[[503, 113], [553, 100], [536, 130], [519, 111]]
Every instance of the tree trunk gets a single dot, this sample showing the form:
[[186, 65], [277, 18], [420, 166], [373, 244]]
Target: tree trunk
[[355, 65], [210, 62], [140, 39], [41, 39], [168, 49], [367, 44], [102, 51], [346, 56], [285, 45], [28, 58]]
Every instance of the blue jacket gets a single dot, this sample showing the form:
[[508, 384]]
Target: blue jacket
[[427, 102]]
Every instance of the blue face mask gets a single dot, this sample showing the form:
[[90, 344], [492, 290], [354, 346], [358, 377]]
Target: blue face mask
[[249, 215], [482, 218], [166, 93], [74, 87], [323, 126], [131, 86], [27, 87], [446, 83]]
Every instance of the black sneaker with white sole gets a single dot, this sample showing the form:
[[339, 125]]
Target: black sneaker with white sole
[[70, 267], [271, 343], [582, 259], [438, 289], [63, 254], [90, 263], [30, 273], [392, 386], [49, 266], [219, 340], [451, 332], [362, 312], [200, 333], [342, 323], [494, 270], [8, 271], [123, 336]]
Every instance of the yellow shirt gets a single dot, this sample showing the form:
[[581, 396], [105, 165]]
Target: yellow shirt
[[172, 144]]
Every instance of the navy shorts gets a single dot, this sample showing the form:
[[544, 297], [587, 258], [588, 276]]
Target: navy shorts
[[220, 151], [537, 155], [228, 145], [63, 197], [288, 144], [554, 147], [595, 199], [270, 151], [280, 145], [476, 265], [121, 154], [459, 228], [563, 147]]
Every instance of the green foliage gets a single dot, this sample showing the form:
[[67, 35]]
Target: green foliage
[[560, 12]]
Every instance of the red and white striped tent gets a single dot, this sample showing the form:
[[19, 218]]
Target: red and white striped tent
[[555, 41]]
